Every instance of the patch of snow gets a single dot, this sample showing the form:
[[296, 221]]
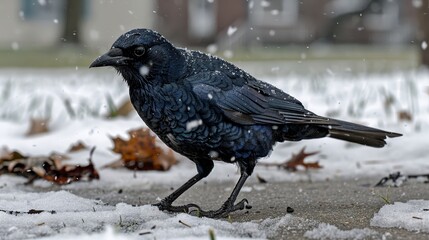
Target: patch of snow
[[412, 215], [109, 233], [327, 231], [61, 201], [76, 216]]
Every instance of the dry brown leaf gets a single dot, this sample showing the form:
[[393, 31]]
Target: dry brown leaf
[[260, 179], [56, 172], [295, 161], [125, 108], [405, 116], [141, 152], [50, 168], [38, 126], [6, 155], [77, 147], [298, 160]]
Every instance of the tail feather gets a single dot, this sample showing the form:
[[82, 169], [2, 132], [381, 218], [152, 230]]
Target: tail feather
[[359, 134]]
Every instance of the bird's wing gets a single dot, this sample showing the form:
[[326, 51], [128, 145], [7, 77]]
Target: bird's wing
[[249, 101]]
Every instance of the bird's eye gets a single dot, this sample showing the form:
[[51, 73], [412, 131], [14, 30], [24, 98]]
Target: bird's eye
[[139, 51]]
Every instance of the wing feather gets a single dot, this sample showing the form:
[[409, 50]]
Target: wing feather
[[255, 102]]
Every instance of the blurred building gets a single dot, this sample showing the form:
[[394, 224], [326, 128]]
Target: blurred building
[[38, 23], [287, 21]]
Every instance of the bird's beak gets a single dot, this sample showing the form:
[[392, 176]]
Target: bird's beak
[[114, 57]]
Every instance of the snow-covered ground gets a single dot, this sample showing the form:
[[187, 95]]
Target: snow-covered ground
[[374, 100], [412, 215]]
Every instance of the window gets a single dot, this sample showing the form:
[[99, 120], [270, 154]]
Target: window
[[42, 9], [48, 10], [201, 18], [274, 12]]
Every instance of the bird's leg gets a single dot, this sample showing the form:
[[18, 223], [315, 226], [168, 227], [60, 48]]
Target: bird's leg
[[229, 205], [165, 203], [203, 171]]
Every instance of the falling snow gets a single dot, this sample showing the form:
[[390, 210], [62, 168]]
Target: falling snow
[[42, 2], [417, 3], [212, 48], [21, 15], [231, 30], [193, 124], [275, 12], [265, 4], [228, 54], [144, 70], [424, 45], [15, 46]]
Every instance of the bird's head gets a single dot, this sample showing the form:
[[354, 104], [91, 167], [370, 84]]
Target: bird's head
[[138, 55]]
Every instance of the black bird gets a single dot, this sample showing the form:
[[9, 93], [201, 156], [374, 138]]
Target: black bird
[[208, 109]]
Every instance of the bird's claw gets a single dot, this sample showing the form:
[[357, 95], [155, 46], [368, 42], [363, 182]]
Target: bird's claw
[[163, 206], [192, 208], [222, 212]]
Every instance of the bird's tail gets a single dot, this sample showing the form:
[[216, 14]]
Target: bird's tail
[[356, 133]]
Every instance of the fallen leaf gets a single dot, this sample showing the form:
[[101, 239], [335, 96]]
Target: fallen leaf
[[66, 174], [50, 168], [124, 110], [77, 147], [260, 179], [295, 161], [38, 126], [141, 152], [298, 160], [6, 155], [405, 116]]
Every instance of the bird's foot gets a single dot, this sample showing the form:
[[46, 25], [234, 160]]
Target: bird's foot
[[192, 208], [222, 212], [165, 206]]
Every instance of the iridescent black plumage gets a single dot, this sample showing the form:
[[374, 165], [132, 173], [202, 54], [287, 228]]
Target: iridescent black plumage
[[208, 109]]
